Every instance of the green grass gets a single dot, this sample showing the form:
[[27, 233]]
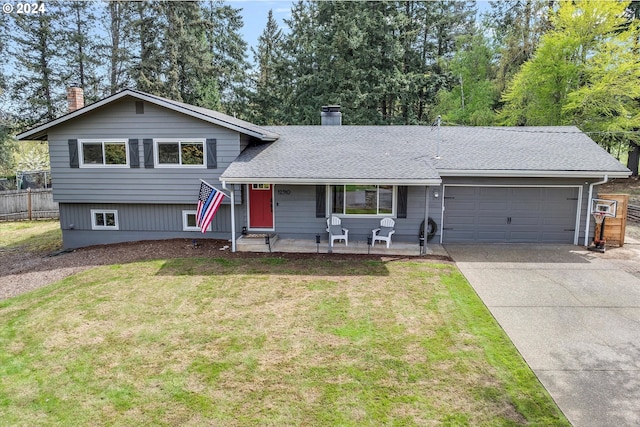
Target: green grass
[[270, 341], [30, 236]]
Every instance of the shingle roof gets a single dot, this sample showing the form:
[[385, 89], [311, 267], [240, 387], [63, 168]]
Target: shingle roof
[[40, 132], [551, 148], [338, 153], [409, 153]]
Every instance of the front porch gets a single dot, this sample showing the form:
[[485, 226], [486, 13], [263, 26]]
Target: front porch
[[259, 243]]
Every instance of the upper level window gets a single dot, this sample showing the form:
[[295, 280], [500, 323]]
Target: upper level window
[[103, 153], [362, 199], [180, 152]]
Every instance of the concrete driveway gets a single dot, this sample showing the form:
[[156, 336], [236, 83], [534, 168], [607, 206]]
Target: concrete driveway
[[574, 315]]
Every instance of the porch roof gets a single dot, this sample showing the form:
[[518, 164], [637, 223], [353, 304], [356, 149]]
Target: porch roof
[[316, 155]]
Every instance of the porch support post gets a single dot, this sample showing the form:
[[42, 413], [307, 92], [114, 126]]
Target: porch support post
[[426, 217], [233, 217]]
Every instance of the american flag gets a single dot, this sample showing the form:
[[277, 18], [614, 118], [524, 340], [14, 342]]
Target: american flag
[[209, 200]]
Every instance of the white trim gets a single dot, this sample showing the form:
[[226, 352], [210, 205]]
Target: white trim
[[273, 210], [185, 223], [38, 132], [529, 173], [102, 141], [343, 214], [578, 204], [179, 141], [95, 226]]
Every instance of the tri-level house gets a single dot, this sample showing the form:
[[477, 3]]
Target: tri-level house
[[128, 168]]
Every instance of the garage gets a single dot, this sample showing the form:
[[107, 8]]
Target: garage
[[501, 214]]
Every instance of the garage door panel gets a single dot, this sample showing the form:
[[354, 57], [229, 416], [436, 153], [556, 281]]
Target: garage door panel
[[460, 220], [530, 221], [461, 205], [492, 236], [510, 214], [523, 236], [493, 206], [492, 220]]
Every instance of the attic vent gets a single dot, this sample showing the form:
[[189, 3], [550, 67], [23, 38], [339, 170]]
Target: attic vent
[[331, 115], [139, 107]]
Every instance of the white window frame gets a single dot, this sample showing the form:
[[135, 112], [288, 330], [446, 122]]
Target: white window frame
[[95, 226], [179, 141], [82, 164], [394, 203], [185, 223]]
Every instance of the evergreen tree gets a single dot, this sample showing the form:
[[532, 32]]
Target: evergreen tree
[[143, 28], [118, 44], [227, 48], [38, 90], [267, 99], [517, 26], [79, 49]]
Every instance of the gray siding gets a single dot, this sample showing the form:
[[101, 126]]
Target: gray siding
[[295, 215], [135, 185], [137, 222]]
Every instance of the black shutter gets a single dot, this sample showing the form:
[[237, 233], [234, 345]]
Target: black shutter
[[148, 153], [134, 154], [212, 154], [403, 192], [321, 201], [74, 161]]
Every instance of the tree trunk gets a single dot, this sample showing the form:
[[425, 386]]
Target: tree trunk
[[634, 158]]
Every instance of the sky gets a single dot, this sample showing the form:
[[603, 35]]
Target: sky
[[254, 14]]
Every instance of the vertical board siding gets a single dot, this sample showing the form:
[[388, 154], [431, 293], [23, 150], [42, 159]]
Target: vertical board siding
[[136, 185], [139, 217]]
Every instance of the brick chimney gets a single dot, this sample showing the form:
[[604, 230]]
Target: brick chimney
[[75, 98], [331, 115]]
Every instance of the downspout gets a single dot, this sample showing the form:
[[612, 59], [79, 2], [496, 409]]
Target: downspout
[[588, 220], [233, 215], [426, 218]]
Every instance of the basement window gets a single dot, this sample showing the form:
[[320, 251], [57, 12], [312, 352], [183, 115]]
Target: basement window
[[189, 221], [104, 219]]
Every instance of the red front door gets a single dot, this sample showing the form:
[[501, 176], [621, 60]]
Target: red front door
[[260, 206]]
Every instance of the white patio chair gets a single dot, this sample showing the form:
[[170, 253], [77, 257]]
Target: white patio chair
[[385, 232], [336, 232]]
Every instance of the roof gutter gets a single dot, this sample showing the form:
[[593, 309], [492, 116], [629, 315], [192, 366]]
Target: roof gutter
[[588, 220], [532, 173], [323, 181]]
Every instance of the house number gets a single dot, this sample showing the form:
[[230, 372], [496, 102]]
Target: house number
[[284, 192]]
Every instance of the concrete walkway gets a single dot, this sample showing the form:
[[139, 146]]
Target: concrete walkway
[[574, 315]]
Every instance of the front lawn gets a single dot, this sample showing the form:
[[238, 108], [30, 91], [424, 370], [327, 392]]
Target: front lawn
[[265, 341]]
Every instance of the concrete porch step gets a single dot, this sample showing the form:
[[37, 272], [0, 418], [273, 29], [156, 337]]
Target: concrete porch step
[[255, 242]]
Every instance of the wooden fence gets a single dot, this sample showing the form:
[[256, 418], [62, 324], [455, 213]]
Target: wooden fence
[[27, 204]]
